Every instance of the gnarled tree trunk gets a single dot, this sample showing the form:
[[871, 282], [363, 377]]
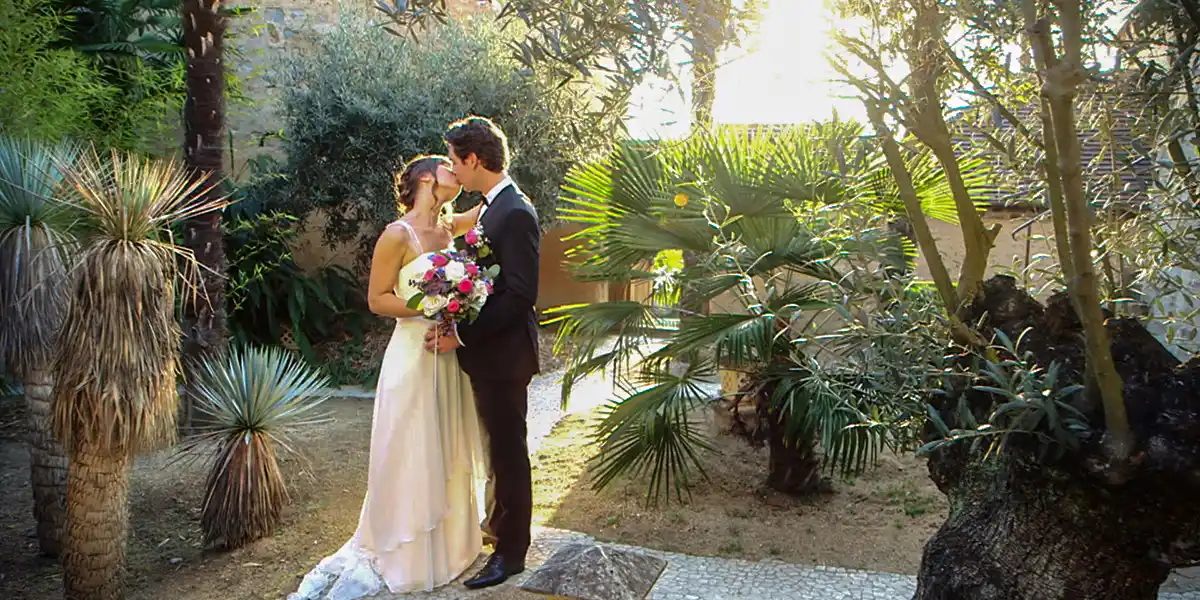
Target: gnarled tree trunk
[[47, 464], [1071, 526]]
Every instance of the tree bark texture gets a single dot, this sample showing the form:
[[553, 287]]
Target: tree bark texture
[[47, 465], [1025, 527], [793, 465], [97, 524], [205, 329]]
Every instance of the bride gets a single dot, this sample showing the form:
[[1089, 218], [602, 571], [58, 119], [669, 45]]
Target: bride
[[420, 522]]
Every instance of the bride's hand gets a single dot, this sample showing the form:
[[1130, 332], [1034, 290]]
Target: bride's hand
[[440, 344]]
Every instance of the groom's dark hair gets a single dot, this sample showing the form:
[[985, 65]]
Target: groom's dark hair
[[481, 137]]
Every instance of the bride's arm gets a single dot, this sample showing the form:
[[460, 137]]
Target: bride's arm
[[463, 222], [385, 271]]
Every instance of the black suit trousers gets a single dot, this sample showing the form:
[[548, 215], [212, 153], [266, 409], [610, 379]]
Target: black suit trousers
[[502, 405]]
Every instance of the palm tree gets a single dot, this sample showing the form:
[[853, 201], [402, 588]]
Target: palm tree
[[782, 234], [204, 124], [34, 242], [250, 399], [118, 350]]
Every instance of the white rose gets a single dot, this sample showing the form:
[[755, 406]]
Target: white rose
[[432, 305], [455, 271]]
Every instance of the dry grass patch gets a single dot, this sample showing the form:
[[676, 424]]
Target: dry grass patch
[[879, 521]]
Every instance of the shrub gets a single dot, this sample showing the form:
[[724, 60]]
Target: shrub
[[250, 400], [48, 93], [267, 290], [109, 73], [363, 101]]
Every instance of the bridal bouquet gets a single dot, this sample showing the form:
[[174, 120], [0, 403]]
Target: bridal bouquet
[[454, 287]]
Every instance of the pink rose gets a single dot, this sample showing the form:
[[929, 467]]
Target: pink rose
[[439, 260], [454, 305], [472, 270], [430, 274], [465, 286], [472, 237], [489, 287]]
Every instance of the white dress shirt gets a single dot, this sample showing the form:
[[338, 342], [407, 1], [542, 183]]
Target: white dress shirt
[[492, 193]]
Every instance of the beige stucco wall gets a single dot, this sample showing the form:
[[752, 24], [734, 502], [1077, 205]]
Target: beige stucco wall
[[1008, 250]]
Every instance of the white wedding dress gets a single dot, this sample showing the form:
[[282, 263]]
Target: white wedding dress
[[420, 522]]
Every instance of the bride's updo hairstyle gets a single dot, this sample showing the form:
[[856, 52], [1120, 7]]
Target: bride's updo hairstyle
[[408, 180]]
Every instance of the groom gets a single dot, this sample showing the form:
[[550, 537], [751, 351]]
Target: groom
[[499, 349]]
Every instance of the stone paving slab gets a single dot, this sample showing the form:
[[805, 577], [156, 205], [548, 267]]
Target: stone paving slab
[[710, 578]]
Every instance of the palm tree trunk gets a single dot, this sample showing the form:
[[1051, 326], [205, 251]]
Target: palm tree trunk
[[793, 466], [204, 122], [47, 464], [97, 523]]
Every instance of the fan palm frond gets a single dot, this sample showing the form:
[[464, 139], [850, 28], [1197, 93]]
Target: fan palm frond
[[818, 407], [630, 322], [35, 242], [121, 299], [652, 433], [250, 400], [877, 188], [741, 340], [776, 220]]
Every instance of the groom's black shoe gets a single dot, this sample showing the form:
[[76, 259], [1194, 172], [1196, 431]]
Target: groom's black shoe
[[495, 572]]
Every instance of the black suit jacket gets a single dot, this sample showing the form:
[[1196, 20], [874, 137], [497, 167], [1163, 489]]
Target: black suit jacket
[[502, 343]]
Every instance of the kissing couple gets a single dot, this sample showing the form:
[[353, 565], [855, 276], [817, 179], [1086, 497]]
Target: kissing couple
[[442, 397]]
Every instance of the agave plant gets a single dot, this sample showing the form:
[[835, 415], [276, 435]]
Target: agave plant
[[35, 242], [117, 354], [249, 400], [792, 228]]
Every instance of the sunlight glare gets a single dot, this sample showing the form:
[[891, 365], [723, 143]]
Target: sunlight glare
[[780, 76]]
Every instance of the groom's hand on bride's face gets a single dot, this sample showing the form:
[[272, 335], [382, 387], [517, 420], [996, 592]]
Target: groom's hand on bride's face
[[440, 344]]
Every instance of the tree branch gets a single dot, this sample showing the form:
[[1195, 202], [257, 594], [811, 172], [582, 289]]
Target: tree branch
[[931, 129], [912, 205], [1044, 59], [1062, 82]]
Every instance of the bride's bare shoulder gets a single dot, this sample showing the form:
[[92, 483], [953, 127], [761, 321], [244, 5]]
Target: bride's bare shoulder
[[396, 233]]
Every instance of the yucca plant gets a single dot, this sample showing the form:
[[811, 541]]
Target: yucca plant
[[117, 355], [792, 228], [35, 243], [248, 401]]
